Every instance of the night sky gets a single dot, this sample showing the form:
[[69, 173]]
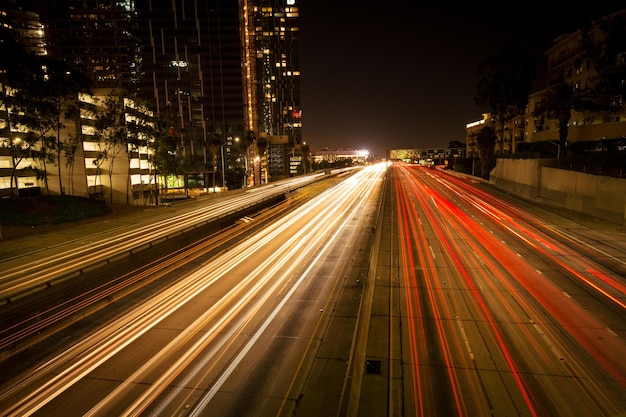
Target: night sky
[[404, 75]]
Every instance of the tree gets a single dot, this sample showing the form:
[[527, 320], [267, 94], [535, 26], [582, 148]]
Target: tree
[[306, 158], [215, 144], [37, 117], [559, 101], [166, 156], [19, 75], [606, 54], [505, 80], [485, 142], [111, 134], [70, 146], [37, 91], [60, 89], [139, 132]]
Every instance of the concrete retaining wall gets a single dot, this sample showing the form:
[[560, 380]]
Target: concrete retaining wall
[[600, 196]]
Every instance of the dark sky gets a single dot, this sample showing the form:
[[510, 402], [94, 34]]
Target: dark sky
[[404, 75]]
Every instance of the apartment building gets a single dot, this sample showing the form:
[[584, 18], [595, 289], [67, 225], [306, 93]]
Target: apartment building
[[566, 62], [106, 166]]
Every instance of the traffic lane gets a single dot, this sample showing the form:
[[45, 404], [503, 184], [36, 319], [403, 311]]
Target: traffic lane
[[584, 325], [602, 240], [459, 365], [508, 262], [152, 342], [275, 379], [72, 259], [45, 265], [174, 298], [596, 289], [583, 264], [270, 381]]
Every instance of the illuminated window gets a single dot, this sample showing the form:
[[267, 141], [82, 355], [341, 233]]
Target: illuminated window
[[86, 114], [86, 98], [93, 180], [90, 146], [88, 130]]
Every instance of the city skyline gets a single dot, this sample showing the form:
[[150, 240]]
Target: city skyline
[[223, 76]]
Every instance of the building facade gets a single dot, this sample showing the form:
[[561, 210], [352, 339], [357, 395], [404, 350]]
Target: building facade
[[276, 38], [273, 33], [192, 64], [225, 74], [98, 38], [566, 62]]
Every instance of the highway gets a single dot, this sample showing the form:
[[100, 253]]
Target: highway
[[45, 271], [492, 310], [234, 334], [393, 291], [44, 286]]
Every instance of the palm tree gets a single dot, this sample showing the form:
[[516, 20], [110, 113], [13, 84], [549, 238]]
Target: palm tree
[[559, 101], [485, 142], [504, 84], [505, 81], [214, 145]]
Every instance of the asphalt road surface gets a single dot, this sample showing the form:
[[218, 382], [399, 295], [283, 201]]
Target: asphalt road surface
[[408, 291]]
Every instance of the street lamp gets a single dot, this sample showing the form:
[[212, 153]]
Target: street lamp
[[244, 155]]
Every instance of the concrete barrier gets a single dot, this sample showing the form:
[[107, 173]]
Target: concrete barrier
[[600, 196]]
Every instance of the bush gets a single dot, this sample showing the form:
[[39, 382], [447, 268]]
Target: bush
[[35, 211]]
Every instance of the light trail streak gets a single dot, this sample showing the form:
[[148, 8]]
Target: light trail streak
[[522, 224], [410, 281], [113, 288], [94, 351], [448, 221], [539, 287], [476, 293], [13, 281], [429, 275], [204, 401]]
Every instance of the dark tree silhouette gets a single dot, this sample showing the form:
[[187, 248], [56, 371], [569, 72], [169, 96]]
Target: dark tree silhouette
[[485, 142], [606, 54], [505, 80], [559, 101]]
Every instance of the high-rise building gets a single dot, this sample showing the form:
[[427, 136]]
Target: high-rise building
[[193, 70], [222, 69], [276, 34], [274, 31], [97, 37], [25, 25]]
